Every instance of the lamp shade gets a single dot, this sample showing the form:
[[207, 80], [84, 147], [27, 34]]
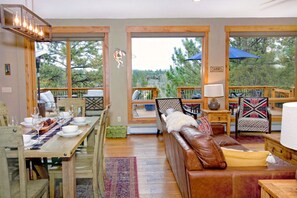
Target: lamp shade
[[289, 125], [213, 90]]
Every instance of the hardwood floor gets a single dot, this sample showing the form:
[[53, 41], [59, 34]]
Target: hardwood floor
[[155, 178]]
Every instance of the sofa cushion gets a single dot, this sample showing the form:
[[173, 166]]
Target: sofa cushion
[[176, 120], [239, 158], [204, 125], [206, 149]]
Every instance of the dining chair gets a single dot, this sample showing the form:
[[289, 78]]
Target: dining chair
[[3, 114], [78, 103], [88, 166], [11, 138]]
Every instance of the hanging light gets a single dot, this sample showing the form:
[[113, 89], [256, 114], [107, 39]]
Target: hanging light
[[20, 20]]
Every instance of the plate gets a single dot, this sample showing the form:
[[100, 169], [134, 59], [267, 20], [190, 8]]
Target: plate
[[25, 124], [80, 123], [68, 135]]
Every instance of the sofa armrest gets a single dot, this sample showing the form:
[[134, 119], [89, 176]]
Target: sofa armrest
[[218, 129]]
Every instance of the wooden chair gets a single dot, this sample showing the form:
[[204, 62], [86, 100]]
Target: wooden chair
[[3, 114], [88, 166], [78, 103], [10, 137]]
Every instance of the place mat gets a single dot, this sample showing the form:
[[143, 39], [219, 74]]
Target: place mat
[[46, 136]]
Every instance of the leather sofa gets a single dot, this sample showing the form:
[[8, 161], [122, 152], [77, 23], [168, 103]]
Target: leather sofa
[[194, 180]]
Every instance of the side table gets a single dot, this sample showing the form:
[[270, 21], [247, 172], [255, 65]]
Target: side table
[[278, 188], [218, 116], [273, 145]]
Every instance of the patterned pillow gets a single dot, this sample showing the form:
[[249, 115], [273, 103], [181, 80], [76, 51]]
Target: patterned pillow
[[254, 107], [204, 125]]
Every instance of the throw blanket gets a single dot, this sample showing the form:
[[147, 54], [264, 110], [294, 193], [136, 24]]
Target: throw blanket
[[176, 120]]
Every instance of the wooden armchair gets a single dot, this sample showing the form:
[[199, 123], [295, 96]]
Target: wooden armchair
[[10, 137], [253, 114], [163, 104]]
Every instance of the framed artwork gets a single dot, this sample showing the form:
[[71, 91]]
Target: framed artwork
[[7, 69]]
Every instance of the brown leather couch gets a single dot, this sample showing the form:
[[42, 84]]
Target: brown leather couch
[[194, 180]]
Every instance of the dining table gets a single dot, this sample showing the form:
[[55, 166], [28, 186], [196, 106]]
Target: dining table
[[64, 147]]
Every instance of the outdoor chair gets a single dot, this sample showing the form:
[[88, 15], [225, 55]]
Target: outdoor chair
[[12, 138], [88, 166], [94, 102], [163, 104], [78, 104], [253, 114]]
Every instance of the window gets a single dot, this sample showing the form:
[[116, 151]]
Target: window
[[159, 68]]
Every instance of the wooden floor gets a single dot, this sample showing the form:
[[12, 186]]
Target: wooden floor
[[155, 178]]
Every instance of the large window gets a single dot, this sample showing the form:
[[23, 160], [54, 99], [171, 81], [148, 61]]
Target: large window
[[159, 68], [269, 70]]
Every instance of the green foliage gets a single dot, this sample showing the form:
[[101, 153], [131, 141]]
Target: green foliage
[[184, 73], [275, 67], [86, 64]]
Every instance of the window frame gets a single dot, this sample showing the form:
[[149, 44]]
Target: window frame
[[163, 30]]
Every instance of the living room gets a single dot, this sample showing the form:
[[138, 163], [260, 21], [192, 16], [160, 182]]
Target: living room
[[117, 33]]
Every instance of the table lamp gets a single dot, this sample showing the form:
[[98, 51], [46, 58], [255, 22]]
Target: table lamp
[[289, 126], [213, 91]]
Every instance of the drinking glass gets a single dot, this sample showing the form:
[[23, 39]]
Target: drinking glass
[[35, 112], [71, 110], [12, 121], [37, 124]]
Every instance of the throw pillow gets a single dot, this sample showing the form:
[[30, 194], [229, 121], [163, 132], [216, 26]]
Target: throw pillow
[[204, 125], [176, 120], [254, 107], [206, 149], [236, 158]]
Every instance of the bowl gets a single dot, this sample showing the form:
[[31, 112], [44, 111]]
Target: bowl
[[65, 114], [69, 129], [26, 138], [28, 120], [79, 119]]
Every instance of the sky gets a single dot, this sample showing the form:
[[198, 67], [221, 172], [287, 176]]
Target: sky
[[153, 53]]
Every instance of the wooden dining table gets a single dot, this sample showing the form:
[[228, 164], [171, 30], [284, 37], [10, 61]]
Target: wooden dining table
[[64, 148]]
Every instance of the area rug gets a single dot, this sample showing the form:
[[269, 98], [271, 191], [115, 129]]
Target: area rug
[[249, 139], [121, 180]]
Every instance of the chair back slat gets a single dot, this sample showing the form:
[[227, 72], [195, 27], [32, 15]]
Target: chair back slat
[[78, 103], [10, 137], [3, 114], [98, 156]]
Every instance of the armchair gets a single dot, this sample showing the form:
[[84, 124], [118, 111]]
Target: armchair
[[253, 114], [163, 104]]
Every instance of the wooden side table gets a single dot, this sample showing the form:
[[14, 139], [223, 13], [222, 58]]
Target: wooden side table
[[273, 145], [218, 116], [278, 188]]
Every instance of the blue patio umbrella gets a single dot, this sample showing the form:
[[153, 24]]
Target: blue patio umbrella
[[234, 53]]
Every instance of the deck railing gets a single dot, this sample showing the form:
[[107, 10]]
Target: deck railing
[[62, 92]]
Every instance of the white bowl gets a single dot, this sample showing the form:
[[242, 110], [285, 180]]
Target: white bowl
[[79, 119], [69, 129], [26, 138], [65, 114], [28, 120]]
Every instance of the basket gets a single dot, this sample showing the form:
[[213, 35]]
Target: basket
[[116, 132]]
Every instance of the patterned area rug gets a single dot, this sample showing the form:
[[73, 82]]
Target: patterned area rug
[[249, 139], [120, 182]]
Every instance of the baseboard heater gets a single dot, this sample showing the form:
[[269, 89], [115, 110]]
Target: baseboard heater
[[142, 130]]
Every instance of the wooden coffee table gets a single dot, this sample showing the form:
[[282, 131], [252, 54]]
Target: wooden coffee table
[[278, 188], [273, 145]]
